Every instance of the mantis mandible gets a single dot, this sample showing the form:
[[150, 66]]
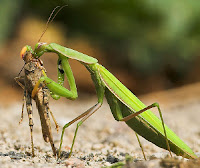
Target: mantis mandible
[[124, 105]]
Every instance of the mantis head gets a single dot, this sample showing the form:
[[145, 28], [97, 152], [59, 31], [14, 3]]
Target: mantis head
[[40, 49]]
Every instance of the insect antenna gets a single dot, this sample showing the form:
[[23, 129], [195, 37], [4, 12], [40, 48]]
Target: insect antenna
[[21, 70], [18, 76], [50, 19]]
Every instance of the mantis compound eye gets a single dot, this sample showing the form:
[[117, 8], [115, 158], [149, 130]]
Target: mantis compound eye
[[23, 51]]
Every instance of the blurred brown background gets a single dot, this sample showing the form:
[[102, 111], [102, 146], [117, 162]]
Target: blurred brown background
[[150, 46]]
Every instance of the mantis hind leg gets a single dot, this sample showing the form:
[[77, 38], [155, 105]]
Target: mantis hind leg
[[84, 116], [161, 117], [122, 113], [140, 145]]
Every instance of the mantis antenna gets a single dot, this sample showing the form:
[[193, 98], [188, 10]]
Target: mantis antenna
[[50, 19]]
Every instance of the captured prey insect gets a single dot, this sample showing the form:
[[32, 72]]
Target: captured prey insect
[[34, 70], [124, 105]]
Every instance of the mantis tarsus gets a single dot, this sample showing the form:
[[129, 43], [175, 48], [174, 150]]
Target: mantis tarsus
[[33, 69], [124, 105]]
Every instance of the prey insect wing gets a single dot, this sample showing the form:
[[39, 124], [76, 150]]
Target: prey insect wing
[[42, 103]]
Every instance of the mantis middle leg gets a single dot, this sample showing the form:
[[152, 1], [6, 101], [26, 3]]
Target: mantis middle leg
[[84, 116]]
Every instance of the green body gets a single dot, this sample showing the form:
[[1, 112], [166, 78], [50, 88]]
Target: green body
[[122, 101], [147, 124]]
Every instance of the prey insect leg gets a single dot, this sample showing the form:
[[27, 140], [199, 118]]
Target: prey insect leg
[[56, 124], [30, 116], [18, 82], [47, 119], [24, 100]]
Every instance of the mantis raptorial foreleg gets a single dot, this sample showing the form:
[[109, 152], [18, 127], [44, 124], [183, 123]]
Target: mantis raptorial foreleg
[[56, 89]]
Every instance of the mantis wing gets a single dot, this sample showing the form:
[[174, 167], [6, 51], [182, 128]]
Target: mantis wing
[[148, 120]]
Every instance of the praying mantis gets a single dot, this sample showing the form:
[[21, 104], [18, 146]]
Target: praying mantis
[[124, 105]]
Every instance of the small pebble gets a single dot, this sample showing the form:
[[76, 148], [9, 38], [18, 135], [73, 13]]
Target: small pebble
[[97, 146], [74, 162], [5, 159]]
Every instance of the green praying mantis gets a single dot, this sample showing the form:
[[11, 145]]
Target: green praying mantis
[[124, 105]]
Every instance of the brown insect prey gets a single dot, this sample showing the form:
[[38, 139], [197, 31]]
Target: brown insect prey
[[33, 72]]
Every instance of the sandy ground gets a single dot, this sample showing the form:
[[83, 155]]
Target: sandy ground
[[101, 141]]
